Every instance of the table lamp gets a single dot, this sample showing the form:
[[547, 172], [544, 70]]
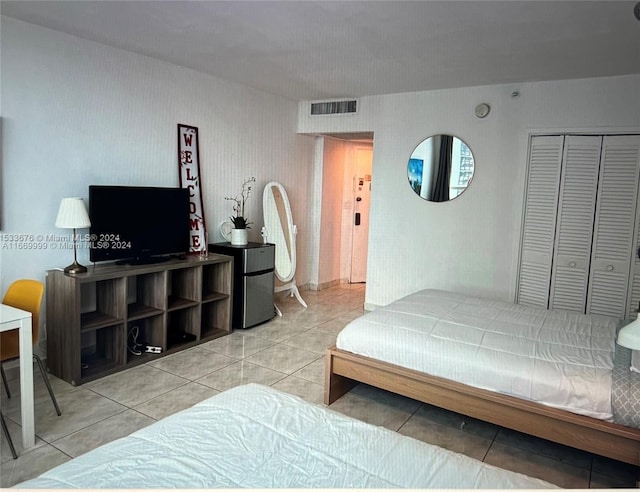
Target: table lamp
[[72, 214], [629, 335]]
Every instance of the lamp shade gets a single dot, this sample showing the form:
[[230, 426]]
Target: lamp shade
[[72, 214], [629, 335]]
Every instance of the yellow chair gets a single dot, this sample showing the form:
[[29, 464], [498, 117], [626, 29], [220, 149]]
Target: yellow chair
[[26, 295]]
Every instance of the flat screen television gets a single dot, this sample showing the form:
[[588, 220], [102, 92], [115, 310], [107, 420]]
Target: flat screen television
[[137, 224]]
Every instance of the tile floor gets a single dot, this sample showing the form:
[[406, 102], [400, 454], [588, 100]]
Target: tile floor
[[286, 353]]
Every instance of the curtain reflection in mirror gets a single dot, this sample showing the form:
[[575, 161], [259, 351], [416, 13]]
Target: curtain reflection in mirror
[[443, 169]]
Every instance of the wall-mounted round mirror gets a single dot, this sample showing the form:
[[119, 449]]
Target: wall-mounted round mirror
[[440, 168]]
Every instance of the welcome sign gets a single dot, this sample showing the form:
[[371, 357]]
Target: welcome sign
[[189, 169]]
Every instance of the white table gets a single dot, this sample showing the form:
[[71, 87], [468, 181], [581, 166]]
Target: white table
[[10, 319]]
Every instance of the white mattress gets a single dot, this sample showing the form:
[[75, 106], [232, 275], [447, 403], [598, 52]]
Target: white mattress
[[254, 436], [556, 358]]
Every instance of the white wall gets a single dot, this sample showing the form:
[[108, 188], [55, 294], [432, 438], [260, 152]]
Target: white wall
[[470, 244], [76, 113]]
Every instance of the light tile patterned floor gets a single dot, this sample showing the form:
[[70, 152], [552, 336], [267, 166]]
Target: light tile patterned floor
[[286, 353]]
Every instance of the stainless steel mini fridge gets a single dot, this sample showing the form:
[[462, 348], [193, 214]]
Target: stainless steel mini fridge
[[253, 282]]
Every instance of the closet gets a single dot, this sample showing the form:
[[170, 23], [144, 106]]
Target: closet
[[579, 248]]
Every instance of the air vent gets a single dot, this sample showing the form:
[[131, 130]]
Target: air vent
[[333, 107]]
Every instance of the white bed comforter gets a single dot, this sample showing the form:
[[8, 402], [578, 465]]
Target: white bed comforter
[[254, 436], [557, 358]]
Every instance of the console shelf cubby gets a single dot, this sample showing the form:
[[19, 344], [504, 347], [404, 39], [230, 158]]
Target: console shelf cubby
[[92, 316]]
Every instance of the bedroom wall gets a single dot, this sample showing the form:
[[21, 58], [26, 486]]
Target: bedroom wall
[[76, 113], [470, 244]]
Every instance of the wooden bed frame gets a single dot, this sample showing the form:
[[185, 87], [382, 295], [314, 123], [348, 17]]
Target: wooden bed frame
[[343, 370]]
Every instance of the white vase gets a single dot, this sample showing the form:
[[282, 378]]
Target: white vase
[[239, 237]]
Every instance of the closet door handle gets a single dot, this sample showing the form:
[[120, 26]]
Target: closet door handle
[[572, 264], [610, 268]]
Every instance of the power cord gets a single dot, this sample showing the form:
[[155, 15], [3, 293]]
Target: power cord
[[132, 341]]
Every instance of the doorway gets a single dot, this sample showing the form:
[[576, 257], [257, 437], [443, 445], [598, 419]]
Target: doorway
[[346, 164], [332, 211]]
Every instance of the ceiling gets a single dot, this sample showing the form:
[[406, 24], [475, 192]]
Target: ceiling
[[315, 50]]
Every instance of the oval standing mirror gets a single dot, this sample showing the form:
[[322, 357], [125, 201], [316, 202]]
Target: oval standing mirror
[[440, 168], [280, 230]]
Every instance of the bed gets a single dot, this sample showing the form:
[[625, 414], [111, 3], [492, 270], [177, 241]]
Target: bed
[[257, 437], [553, 374]]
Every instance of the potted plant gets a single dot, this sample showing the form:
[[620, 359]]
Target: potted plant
[[239, 220]]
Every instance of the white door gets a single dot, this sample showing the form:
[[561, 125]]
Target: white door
[[574, 228], [541, 203], [360, 219], [613, 247]]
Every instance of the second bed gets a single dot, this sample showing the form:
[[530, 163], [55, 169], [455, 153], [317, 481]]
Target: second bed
[[553, 374]]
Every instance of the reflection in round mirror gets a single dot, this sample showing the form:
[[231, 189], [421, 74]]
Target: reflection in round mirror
[[440, 168]]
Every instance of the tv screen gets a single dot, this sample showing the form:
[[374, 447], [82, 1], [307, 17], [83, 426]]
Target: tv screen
[[138, 224]]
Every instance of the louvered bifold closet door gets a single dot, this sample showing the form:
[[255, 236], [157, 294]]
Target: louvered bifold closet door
[[615, 221], [541, 202], [634, 282], [574, 228]]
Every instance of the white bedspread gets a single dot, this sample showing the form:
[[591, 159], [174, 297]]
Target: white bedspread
[[254, 436], [557, 358]]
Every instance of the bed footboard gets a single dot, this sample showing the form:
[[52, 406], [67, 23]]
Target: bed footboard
[[345, 369], [335, 385]]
